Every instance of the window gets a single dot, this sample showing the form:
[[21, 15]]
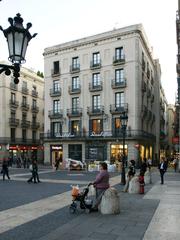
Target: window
[[34, 103], [13, 134], [56, 106], [24, 117], [75, 83], [119, 53], [75, 151], [119, 75], [56, 67], [97, 126], [24, 101], [34, 134], [96, 79], [75, 63], [24, 134], [75, 103], [96, 102], [75, 127], [13, 97], [56, 86], [119, 99], [57, 129], [24, 85], [96, 58], [13, 115], [34, 119]]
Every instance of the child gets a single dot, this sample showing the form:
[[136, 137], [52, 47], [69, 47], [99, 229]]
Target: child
[[141, 182]]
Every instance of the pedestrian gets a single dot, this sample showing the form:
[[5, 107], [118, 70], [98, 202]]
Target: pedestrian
[[130, 174], [141, 182], [5, 170], [143, 166], [175, 164], [101, 183], [34, 171], [57, 161], [162, 169]]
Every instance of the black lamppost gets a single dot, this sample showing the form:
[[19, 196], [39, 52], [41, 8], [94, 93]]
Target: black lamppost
[[18, 38], [124, 120]]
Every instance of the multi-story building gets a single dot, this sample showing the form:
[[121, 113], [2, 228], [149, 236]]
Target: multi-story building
[[172, 140], [22, 115], [89, 83], [177, 104]]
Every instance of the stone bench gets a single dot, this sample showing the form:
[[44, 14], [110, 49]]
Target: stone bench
[[134, 185], [110, 203]]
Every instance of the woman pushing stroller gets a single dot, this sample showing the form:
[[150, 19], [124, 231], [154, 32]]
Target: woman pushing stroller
[[101, 183]]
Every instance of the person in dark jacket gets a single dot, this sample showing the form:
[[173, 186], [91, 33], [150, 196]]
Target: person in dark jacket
[[35, 175], [143, 166], [5, 170], [101, 183], [162, 169]]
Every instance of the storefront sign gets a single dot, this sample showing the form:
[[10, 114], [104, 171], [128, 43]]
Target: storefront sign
[[56, 147]]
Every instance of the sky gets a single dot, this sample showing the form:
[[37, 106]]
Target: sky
[[59, 21]]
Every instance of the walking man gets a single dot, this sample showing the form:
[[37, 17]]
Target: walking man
[[5, 170], [162, 169]]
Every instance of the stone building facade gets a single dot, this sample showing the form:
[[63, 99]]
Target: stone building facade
[[89, 83], [22, 116]]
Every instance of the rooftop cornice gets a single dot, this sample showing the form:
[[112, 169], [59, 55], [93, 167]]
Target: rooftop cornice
[[96, 38]]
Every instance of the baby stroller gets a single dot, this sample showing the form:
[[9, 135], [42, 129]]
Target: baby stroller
[[80, 197]]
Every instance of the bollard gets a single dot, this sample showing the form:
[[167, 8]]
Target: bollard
[[110, 203]]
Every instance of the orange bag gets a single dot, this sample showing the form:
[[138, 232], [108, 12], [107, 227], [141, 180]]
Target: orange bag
[[75, 191]]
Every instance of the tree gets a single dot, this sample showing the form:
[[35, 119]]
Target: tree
[[40, 74]]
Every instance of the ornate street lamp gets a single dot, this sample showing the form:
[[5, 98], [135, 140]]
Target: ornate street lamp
[[18, 38], [124, 120]]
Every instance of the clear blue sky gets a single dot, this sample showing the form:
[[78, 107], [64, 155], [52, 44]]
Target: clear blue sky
[[58, 21]]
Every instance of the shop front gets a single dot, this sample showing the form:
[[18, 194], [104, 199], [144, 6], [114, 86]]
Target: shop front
[[56, 152]]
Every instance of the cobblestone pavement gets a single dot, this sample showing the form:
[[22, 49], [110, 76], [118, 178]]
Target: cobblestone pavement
[[41, 211]]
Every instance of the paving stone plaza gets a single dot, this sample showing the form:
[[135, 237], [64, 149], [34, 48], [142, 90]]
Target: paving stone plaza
[[41, 211]]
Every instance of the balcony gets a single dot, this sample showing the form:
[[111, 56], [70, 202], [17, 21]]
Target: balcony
[[13, 86], [95, 65], [34, 109], [13, 122], [75, 68], [35, 125], [25, 124], [74, 90], [96, 110], [24, 106], [55, 114], [13, 103], [74, 112], [25, 90], [34, 93], [55, 72], [121, 83], [95, 87], [55, 92], [118, 60], [117, 109]]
